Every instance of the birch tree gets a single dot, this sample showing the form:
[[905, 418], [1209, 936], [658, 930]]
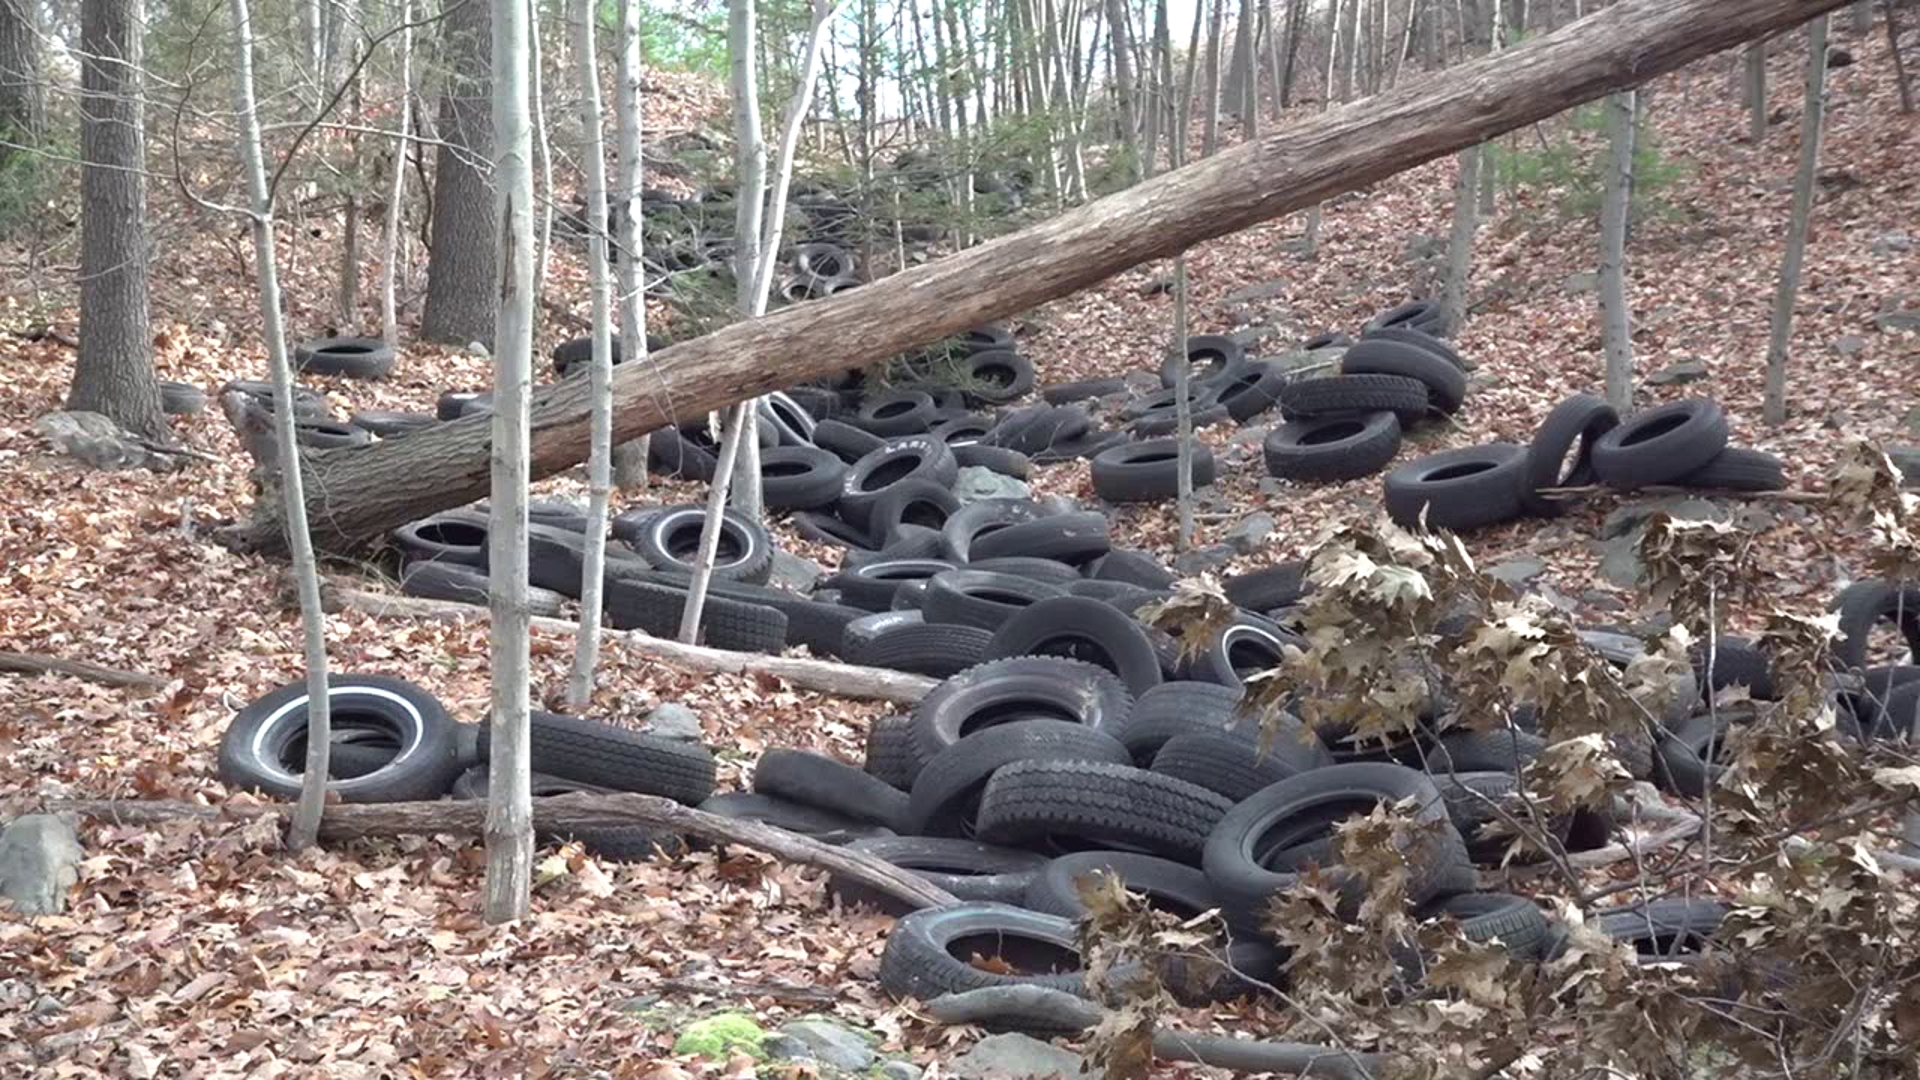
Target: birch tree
[[1812, 121], [1215, 29], [1756, 60], [509, 827], [1616, 316], [542, 151], [630, 458], [304, 829], [397, 188]]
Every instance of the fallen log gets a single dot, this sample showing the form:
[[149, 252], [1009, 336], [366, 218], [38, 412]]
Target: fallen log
[[558, 813], [844, 680], [357, 494], [35, 664]]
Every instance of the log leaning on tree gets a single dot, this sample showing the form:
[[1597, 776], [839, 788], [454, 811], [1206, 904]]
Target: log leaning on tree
[[559, 813], [360, 493]]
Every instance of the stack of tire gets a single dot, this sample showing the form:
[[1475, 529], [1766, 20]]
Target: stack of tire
[[1582, 441], [1879, 695], [249, 406], [1349, 425]]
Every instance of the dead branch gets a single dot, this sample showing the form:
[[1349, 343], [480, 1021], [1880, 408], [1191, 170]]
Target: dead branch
[[32, 664]]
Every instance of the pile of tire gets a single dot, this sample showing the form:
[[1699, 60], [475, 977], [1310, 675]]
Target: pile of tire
[[1581, 442], [1400, 373], [393, 741]]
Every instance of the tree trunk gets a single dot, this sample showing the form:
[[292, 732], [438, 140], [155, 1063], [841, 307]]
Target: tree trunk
[[1296, 16], [1616, 315], [1216, 29], [305, 830], [630, 457], [1899, 62], [1236, 83], [22, 101], [750, 183], [396, 191], [1812, 119], [375, 488], [1757, 92], [1250, 81], [1863, 16], [1349, 30], [509, 828], [1122, 52], [1453, 293], [114, 375], [462, 256], [586, 654], [1189, 79], [543, 156]]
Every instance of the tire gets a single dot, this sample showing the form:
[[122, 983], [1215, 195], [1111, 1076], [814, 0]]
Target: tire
[[997, 459], [386, 424], [620, 843], [1231, 767], [1045, 571], [1474, 801], [913, 501], [1075, 538], [863, 630], [725, 624], [977, 598], [1659, 446], [673, 454], [800, 477], [1279, 586], [1419, 339], [1167, 886], [315, 435], [990, 336], [819, 781], [823, 261], [1182, 708], [614, 758], [1424, 315], [1736, 662], [1339, 395], [576, 354], [845, 441], [670, 541], [937, 650], [1068, 393], [181, 399], [810, 622], [347, 357], [1165, 420], [977, 520], [456, 537], [466, 584], [997, 376], [1131, 567], [1865, 604], [1244, 647], [1086, 446], [792, 425], [1465, 751], [963, 430], [1737, 469], [1080, 628], [889, 753], [901, 412], [821, 405], [1304, 808], [827, 529], [918, 458], [928, 952], [1021, 688], [1213, 357], [1884, 706], [1147, 471], [1128, 599], [871, 585], [1459, 490], [1515, 921], [1084, 802], [946, 793], [1571, 428], [971, 871], [822, 825], [1663, 928], [310, 404], [1331, 449], [1035, 430], [1689, 759], [909, 542], [1325, 339], [264, 746], [1251, 391], [1446, 383]]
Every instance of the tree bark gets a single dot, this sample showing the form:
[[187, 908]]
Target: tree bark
[[509, 829], [1123, 84], [1757, 92], [1216, 29], [1899, 62], [1250, 79], [1616, 316], [23, 103], [1466, 221], [114, 374], [543, 155], [305, 828], [630, 457], [397, 190], [1812, 119], [462, 260], [368, 490], [1296, 16], [1863, 16]]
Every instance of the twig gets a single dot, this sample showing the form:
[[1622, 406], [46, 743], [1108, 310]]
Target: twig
[[32, 664]]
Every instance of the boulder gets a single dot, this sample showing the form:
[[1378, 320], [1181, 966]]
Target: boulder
[[825, 1041], [39, 861], [1014, 1056]]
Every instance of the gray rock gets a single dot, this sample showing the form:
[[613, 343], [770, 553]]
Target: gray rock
[[1630, 516], [478, 348], [1058, 504], [95, 440], [1482, 380], [39, 861], [1686, 371], [976, 482], [1201, 560], [786, 1048], [795, 572], [1585, 281], [1892, 243], [1271, 486], [1556, 598], [1327, 359], [1016, 1057], [1144, 382], [1849, 345], [1892, 321], [1620, 560], [1911, 421], [1517, 572], [1265, 290], [672, 720], [1252, 435], [1250, 532], [48, 1005], [828, 1043], [900, 1070], [1249, 336], [1907, 460]]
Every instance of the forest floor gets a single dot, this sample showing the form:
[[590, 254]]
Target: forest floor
[[201, 950]]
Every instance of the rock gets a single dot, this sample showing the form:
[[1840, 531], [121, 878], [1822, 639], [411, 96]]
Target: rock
[[1585, 281], [97, 441], [977, 482], [1849, 345], [1601, 600], [478, 348], [1159, 286], [1250, 532], [672, 720], [1897, 320], [1481, 380], [1556, 598], [1907, 460], [1892, 243], [1251, 435], [1249, 336], [47, 1005], [1630, 516], [1143, 382], [795, 572], [720, 1036], [786, 1048], [1911, 421], [1686, 371], [1058, 504], [1271, 486], [826, 1042], [39, 861], [1201, 560], [900, 1070], [1328, 356], [1517, 572], [1620, 560], [1265, 290], [1016, 1057]]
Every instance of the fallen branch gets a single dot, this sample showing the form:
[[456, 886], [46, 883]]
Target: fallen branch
[[845, 680], [32, 664], [1613, 853], [1669, 489], [1056, 1010], [557, 813]]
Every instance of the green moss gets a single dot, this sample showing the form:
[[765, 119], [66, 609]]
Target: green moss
[[718, 1037]]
